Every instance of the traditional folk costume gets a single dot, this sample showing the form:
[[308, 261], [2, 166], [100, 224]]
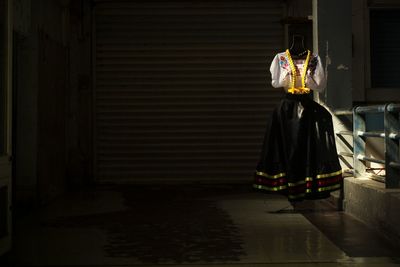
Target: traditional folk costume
[[299, 156]]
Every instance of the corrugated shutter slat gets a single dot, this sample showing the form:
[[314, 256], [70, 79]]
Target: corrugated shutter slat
[[182, 89]]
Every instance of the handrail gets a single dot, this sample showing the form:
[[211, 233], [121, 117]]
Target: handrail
[[394, 165], [370, 109], [343, 112], [361, 157], [392, 157], [393, 107], [371, 134], [390, 135]]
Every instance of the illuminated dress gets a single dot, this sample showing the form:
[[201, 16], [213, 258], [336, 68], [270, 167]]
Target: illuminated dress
[[299, 156]]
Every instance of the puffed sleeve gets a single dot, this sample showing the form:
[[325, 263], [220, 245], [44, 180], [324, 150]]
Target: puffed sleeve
[[279, 75], [316, 79], [275, 71]]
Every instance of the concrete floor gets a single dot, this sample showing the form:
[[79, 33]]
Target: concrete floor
[[193, 226]]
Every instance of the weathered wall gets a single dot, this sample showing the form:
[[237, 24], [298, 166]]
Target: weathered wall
[[51, 120], [333, 43], [299, 8], [370, 202], [52, 88], [25, 88], [333, 40], [344, 43], [79, 126], [299, 22], [359, 47], [22, 20]]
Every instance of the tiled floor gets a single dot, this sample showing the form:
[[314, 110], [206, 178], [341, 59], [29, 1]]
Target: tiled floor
[[193, 226]]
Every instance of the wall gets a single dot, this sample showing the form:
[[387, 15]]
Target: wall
[[51, 117], [333, 41], [36, 27], [298, 21], [366, 199], [79, 126], [299, 8], [25, 100], [371, 203], [359, 46], [52, 90]]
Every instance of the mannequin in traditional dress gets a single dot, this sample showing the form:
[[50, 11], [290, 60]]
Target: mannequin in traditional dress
[[299, 157]]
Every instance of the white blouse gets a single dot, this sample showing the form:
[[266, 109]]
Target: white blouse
[[281, 72]]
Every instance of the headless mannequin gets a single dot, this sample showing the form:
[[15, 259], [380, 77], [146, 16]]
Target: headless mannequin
[[297, 49]]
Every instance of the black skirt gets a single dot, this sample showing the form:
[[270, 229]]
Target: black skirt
[[299, 157]]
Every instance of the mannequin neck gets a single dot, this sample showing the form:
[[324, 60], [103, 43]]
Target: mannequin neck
[[297, 49]]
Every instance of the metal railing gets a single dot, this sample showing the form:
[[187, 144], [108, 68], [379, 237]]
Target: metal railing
[[391, 137]]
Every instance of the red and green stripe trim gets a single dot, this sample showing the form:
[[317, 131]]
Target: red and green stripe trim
[[277, 182]]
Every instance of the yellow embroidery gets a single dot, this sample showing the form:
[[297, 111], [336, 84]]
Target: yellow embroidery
[[275, 188], [279, 175], [303, 89], [326, 175], [333, 187]]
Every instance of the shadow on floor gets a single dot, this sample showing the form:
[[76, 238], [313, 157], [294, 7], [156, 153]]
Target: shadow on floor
[[164, 224], [352, 236]]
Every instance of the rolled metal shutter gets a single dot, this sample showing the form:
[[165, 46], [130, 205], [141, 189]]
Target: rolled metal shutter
[[182, 88]]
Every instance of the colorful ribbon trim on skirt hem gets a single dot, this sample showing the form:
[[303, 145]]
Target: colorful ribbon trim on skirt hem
[[325, 182]]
